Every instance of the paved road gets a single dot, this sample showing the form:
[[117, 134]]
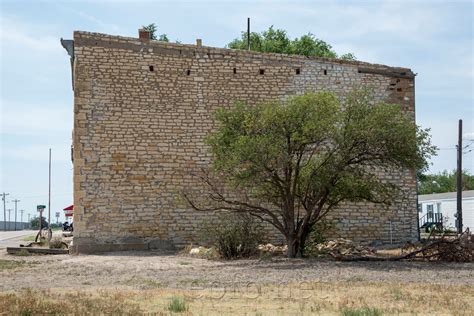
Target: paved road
[[14, 238]]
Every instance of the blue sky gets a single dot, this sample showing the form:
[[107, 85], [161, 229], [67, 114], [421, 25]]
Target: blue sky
[[433, 38]]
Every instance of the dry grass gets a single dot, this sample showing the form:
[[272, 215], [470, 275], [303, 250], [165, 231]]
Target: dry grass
[[33, 302], [15, 264], [29, 238], [348, 298]]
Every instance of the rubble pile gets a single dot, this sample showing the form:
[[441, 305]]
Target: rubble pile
[[202, 252], [460, 249], [440, 248], [269, 248], [344, 247]]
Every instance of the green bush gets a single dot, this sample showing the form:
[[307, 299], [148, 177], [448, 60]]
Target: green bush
[[177, 305], [234, 236]]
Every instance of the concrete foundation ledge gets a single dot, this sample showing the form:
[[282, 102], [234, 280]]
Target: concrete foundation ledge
[[83, 245]]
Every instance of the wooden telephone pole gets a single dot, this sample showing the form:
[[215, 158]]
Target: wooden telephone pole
[[459, 180], [16, 204], [4, 199], [49, 191], [248, 33]]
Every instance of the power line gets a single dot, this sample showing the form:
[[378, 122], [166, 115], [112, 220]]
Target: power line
[[447, 148], [42, 195], [468, 145]]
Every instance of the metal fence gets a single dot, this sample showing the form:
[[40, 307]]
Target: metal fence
[[11, 226]]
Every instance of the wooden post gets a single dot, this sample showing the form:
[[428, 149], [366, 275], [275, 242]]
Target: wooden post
[[49, 192], [459, 180], [248, 33]]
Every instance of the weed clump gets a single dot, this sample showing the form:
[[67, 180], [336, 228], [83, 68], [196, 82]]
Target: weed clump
[[364, 311], [234, 236], [177, 305]]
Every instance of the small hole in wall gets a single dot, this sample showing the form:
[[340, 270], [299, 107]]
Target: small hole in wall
[[325, 72], [235, 70], [399, 89], [151, 68], [188, 72], [298, 71], [262, 71]]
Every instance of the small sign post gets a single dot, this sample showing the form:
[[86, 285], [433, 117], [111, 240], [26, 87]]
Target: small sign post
[[40, 209]]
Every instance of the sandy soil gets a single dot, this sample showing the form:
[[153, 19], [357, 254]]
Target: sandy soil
[[154, 269]]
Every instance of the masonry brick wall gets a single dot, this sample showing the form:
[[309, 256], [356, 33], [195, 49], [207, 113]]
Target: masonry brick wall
[[142, 110]]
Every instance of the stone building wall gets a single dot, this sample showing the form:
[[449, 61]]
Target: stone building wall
[[143, 109]]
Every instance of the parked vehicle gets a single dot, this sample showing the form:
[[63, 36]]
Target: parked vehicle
[[68, 227]]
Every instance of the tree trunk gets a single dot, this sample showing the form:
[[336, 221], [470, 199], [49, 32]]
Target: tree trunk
[[293, 243], [302, 240]]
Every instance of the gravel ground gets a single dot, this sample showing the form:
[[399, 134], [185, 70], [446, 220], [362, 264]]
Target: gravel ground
[[154, 269]]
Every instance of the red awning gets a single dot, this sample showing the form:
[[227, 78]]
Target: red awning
[[69, 208]]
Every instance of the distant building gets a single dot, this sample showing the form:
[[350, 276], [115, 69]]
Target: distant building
[[442, 206]]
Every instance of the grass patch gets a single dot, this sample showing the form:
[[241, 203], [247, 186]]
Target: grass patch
[[365, 311], [396, 293], [11, 264], [177, 305], [153, 283], [29, 302], [321, 298], [29, 238]]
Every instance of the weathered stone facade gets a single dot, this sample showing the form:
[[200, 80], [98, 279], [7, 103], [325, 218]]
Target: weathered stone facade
[[143, 108]]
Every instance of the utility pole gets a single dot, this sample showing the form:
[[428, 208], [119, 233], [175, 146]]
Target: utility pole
[[21, 219], [459, 180], [16, 202], [9, 213], [248, 33], [29, 217], [4, 199], [49, 192]]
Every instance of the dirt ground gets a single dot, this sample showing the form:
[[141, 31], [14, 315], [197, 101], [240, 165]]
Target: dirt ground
[[135, 269], [147, 281]]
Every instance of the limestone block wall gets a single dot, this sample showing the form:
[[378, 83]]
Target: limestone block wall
[[142, 110]]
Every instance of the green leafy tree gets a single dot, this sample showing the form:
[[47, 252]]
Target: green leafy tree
[[277, 41], [152, 28], [35, 222], [291, 162], [444, 182]]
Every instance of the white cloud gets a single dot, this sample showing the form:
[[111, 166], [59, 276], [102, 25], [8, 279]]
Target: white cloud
[[38, 152], [19, 34], [102, 26], [19, 119]]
